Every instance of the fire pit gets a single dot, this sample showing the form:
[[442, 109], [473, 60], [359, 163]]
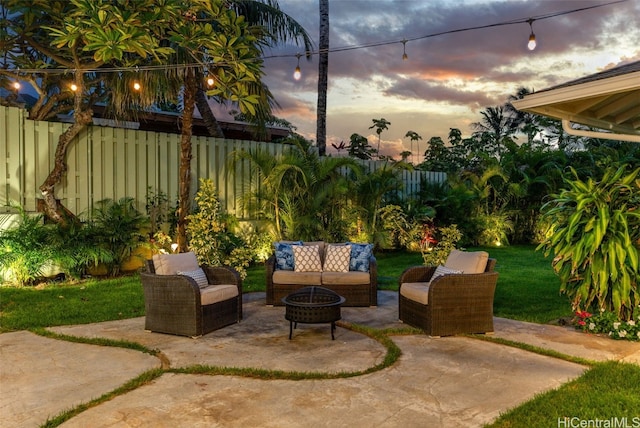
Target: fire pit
[[312, 305]]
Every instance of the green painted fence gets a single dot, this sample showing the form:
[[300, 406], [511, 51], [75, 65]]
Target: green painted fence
[[107, 162]]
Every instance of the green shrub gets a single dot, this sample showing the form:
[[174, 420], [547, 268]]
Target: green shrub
[[209, 235], [447, 238], [594, 234], [25, 249]]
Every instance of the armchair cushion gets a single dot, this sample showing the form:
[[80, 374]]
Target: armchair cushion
[[467, 261], [170, 264], [307, 258], [337, 258], [218, 293], [416, 291], [198, 276]]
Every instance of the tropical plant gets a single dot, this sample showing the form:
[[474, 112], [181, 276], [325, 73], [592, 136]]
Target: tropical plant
[[359, 147], [119, 228], [594, 234], [74, 247]]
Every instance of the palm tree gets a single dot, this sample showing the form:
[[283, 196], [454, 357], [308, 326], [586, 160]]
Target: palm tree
[[413, 136], [496, 125], [280, 28], [380, 125], [323, 76]]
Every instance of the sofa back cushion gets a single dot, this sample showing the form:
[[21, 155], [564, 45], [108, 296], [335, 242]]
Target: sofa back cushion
[[337, 258], [284, 254], [170, 264], [320, 245], [467, 261], [360, 255], [307, 258]]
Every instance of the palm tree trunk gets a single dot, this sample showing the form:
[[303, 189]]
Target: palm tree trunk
[[210, 121], [184, 174], [323, 71]]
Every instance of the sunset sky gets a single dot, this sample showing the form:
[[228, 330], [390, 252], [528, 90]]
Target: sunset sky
[[446, 80]]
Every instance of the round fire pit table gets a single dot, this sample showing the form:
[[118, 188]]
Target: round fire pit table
[[312, 305]]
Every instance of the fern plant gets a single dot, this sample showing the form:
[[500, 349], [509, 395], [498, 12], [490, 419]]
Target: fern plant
[[594, 233]]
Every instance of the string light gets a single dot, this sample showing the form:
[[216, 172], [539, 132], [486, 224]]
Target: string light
[[404, 50], [136, 86], [73, 87], [532, 37], [311, 53], [16, 85], [297, 73], [210, 81]]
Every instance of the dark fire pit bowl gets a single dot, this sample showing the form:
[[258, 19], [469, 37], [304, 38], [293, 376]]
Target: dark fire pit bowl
[[313, 305]]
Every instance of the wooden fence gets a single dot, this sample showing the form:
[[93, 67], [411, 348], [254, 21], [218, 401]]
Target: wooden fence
[[107, 162]]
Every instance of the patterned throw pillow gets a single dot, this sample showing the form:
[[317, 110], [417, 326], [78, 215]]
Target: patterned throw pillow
[[198, 276], [337, 258], [360, 254], [284, 255], [441, 271], [307, 258]]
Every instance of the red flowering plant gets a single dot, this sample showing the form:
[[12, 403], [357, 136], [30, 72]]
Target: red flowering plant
[[607, 322]]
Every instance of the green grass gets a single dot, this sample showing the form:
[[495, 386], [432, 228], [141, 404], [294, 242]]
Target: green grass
[[90, 301], [606, 391]]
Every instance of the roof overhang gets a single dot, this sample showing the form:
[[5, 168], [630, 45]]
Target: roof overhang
[[610, 104]]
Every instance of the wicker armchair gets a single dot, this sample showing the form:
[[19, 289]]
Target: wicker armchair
[[451, 304], [175, 304]]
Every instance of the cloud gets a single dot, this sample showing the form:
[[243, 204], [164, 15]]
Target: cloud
[[448, 78]]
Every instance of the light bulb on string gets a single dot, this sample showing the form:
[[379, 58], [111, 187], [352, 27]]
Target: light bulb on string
[[297, 73], [16, 85], [73, 87], [532, 37], [136, 86], [404, 50], [210, 81]]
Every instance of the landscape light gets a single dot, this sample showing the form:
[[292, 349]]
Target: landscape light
[[532, 37]]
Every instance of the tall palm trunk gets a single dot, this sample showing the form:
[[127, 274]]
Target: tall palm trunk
[[184, 174], [210, 121], [323, 70], [82, 117]]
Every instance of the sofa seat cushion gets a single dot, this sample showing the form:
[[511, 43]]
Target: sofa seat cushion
[[467, 261], [217, 293], [345, 278], [416, 291], [170, 264], [297, 278]]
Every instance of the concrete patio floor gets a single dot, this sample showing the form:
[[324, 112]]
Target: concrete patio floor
[[446, 382]]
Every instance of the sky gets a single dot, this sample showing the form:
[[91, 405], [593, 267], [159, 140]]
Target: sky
[[447, 80]]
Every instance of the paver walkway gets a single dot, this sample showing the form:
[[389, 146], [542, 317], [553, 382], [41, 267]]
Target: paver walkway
[[448, 382]]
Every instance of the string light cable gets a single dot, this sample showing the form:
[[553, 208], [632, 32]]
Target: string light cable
[[403, 41]]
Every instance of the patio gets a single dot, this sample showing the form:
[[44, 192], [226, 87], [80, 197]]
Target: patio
[[455, 381]]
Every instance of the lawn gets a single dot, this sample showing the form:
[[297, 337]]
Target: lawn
[[527, 290]]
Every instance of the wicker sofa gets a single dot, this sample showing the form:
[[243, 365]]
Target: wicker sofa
[[182, 303], [357, 287], [452, 303]]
